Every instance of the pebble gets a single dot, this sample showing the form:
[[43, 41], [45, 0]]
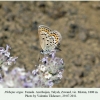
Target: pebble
[[77, 61], [96, 6], [87, 69], [72, 29], [83, 36]]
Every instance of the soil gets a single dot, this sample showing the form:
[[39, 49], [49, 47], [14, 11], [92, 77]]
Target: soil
[[79, 24]]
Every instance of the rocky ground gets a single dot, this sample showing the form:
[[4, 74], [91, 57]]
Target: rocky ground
[[79, 25]]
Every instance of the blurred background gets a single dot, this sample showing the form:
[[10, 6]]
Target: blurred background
[[79, 25]]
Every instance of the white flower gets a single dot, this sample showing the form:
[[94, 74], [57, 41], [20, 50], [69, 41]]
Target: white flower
[[34, 72], [47, 75], [11, 59], [60, 75], [7, 54], [7, 48], [42, 68], [5, 68]]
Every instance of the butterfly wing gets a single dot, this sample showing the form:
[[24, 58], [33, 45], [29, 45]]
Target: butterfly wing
[[48, 39], [57, 37], [43, 32], [50, 44]]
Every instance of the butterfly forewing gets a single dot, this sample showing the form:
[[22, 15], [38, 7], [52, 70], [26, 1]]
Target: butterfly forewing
[[43, 32]]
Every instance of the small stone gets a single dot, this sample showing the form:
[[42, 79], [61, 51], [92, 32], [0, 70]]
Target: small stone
[[72, 11], [96, 6], [77, 62], [6, 28], [87, 69], [42, 5], [90, 58], [72, 29], [71, 35], [10, 17], [92, 34], [6, 9], [73, 26], [83, 36], [34, 26], [72, 83]]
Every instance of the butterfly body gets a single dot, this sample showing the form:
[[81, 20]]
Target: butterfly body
[[48, 39]]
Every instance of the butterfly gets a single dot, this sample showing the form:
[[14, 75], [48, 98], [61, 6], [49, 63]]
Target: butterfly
[[49, 40]]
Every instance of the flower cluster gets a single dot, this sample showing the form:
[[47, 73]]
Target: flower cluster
[[5, 59], [48, 72]]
